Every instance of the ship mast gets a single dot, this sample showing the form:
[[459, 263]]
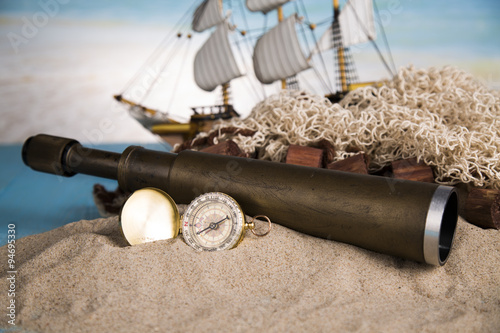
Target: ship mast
[[280, 19], [225, 86], [225, 95], [340, 49], [352, 25]]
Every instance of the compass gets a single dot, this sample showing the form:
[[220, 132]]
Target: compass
[[213, 221]]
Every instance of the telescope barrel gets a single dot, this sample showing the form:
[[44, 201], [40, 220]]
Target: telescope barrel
[[407, 219], [67, 157]]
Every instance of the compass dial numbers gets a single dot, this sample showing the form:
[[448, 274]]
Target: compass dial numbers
[[213, 221]]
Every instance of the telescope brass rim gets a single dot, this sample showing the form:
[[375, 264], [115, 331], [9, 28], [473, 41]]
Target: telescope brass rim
[[440, 225]]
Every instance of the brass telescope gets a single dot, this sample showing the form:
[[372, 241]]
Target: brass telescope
[[407, 219]]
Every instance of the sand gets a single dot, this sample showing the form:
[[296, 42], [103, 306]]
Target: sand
[[82, 277]]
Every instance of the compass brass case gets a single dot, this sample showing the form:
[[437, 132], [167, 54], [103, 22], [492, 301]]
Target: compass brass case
[[149, 215], [407, 219]]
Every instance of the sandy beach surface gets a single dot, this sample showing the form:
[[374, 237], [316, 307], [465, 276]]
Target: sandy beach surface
[[83, 277]]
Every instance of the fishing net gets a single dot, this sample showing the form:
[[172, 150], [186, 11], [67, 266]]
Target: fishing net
[[442, 116]]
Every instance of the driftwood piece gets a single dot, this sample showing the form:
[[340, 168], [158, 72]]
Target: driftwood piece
[[228, 147], [328, 151], [109, 203], [306, 156], [480, 206], [495, 212], [410, 169], [357, 164]]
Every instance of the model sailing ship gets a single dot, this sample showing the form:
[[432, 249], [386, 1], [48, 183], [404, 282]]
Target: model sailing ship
[[278, 55]]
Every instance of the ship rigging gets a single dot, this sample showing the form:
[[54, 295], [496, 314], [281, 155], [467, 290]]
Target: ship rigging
[[288, 54]]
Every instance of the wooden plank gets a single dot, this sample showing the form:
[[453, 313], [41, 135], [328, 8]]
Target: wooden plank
[[357, 164], [410, 169], [482, 207], [328, 151], [306, 156]]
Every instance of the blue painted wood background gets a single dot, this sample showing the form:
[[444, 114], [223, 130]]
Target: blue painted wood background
[[37, 202]]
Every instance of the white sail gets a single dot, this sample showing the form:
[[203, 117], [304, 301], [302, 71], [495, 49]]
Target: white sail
[[214, 63], [356, 25], [325, 42], [356, 22], [277, 54], [207, 15], [264, 5]]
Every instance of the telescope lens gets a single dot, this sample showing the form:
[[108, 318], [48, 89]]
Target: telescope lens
[[448, 226]]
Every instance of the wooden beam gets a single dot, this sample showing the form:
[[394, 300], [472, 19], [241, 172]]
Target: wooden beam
[[306, 156], [357, 164], [481, 207], [328, 151], [410, 169]]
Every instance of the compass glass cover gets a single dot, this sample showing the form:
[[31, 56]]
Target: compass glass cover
[[213, 221]]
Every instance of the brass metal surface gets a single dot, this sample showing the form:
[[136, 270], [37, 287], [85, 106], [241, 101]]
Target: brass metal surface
[[149, 215]]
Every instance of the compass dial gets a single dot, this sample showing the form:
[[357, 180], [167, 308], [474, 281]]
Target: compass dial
[[212, 222]]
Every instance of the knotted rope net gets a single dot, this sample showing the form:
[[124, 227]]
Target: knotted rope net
[[442, 116]]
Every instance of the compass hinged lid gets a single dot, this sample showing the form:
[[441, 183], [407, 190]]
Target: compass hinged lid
[[149, 215]]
